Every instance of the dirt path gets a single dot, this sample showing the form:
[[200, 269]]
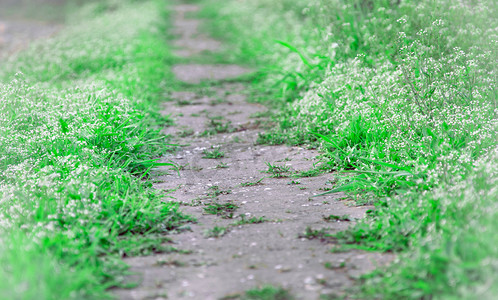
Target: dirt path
[[226, 258], [16, 33]]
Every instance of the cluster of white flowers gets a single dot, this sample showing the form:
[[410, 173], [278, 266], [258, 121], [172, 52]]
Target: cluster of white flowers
[[426, 106]]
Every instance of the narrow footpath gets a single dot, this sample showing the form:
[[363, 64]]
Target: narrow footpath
[[16, 33], [251, 217]]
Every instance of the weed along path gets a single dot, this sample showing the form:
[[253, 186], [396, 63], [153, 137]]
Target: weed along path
[[252, 210]]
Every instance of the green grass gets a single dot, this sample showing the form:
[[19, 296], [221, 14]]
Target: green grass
[[171, 262], [253, 183], [224, 210], [216, 232], [334, 266], [215, 153], [185, 132], [334, 218], [79, 134], [278, 171], [322, 235], [215, 126], [253, 220], [222, 165], [402, 99], [312, 172], [215, 191], [267, 292]]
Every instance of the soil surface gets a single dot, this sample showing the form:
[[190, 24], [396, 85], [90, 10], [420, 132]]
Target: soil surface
[[226, 257], [18, 31]]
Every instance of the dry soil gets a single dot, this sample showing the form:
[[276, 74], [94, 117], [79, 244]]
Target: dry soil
[[17, 32]]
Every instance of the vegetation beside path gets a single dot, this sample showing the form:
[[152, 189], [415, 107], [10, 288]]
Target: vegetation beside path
[[401, 97], [79, 131]]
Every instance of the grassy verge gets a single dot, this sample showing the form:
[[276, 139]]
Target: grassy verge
[[79, 132], [402, 98]]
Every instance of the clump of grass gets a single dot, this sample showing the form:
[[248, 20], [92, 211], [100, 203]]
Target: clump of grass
[[224, 210], [214, 153], [309, 173], [253, 220], [132, 245], [271, 138], [253, 183], [261, 114], [171, 262], [319, 234], [216, 232], [278, 171], [334, 266], [267, 292], [215, 126], [215, 191], [185, 132], [217, 101], [184, 102], [222, 165], [215, 118], [334, 218]]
